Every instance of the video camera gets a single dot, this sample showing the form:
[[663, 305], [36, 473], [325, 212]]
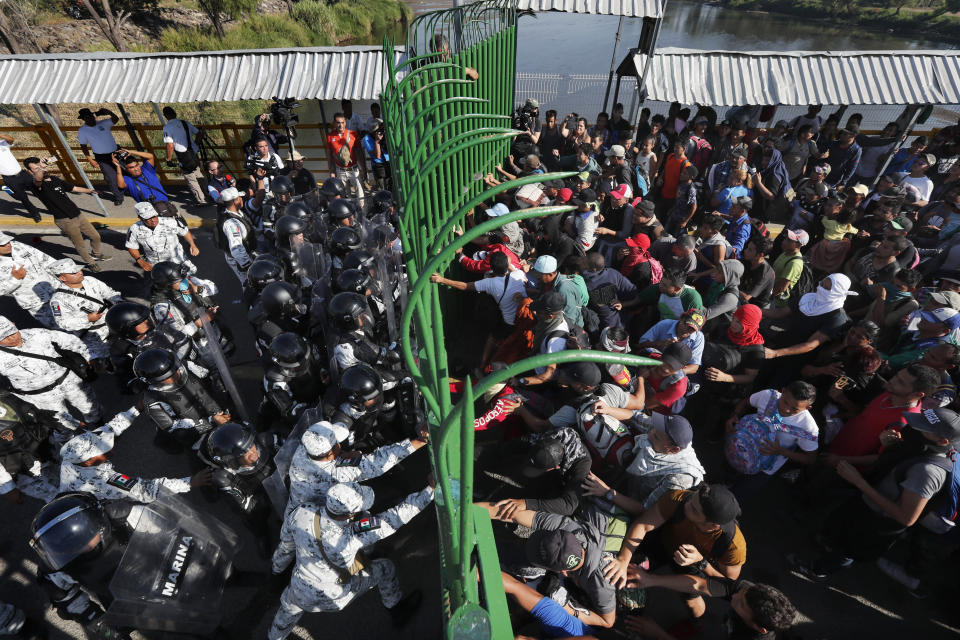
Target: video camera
[[255, 162], [281, 111], [524, 117]]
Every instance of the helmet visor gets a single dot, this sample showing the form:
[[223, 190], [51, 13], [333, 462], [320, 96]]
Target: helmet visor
[[68, 536]]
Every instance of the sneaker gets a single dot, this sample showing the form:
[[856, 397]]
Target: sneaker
[[805, 569], [117, 202], [94, 267], [37, 218], [101, 257]]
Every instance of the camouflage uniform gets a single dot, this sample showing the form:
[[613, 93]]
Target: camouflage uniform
[[102, 480], [33, 291], [70, 310], [160, 243], [326, 549], [45, 384]]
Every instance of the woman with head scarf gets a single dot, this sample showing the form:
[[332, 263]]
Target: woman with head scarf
[[771, 186], [821, 317]]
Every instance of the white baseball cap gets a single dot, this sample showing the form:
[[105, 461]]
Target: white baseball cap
[[145, 210], [229, 194], [320, 437], [65, 265]]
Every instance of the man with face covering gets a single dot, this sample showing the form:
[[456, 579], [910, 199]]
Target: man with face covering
[[821, 317]]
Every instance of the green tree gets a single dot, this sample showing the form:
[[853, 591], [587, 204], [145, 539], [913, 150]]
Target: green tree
[[111, 18], [217, 9]]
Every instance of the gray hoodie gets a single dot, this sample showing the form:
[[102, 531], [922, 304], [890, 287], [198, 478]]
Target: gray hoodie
[[729, 300]]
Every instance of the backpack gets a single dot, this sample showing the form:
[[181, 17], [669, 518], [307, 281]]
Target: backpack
[[607, 439], [742, 447], [576, 336], [643, 181], [700, 158], [807, 283]]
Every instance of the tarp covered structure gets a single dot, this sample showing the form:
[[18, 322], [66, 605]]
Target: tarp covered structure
[[730, 78], [625, 8], [325, 73]]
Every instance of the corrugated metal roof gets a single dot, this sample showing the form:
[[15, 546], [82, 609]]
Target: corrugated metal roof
[[802, 77], [326, 73], [626, 8]]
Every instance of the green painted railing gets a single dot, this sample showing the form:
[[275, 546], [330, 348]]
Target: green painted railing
[[446, 130]]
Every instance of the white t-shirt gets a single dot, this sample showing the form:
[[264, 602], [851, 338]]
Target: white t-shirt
[[553, 345], [494, 287], [173, 132], [923, 184], [98, 137], [8, 164], [803, 420]]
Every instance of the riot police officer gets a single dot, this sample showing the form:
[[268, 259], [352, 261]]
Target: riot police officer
[[241, 459], [236, 232], [331, 569], [289, 238], [367, 405], [279, 310], [343, 240], [271, 207], [293, 381], [350, 316], [24, 448], [341, 213], [178, 402], [264, 270], [133, 331]]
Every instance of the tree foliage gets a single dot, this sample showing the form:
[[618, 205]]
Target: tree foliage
[[217, 9]]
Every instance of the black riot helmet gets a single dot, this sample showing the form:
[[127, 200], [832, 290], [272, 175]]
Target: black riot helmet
[[290, 351], [167, 273], [228, 443], [361, 387], [282, 299], [282, 188], [348, 311], [287, 227], [339, 211], [383, 202], [71, 526], [333, 187], [298, 209], [263, 272], [360, 259], [124, 317], [155, 366], [354, 281], [344, 240]]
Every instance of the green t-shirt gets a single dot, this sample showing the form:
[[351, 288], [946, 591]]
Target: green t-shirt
[[790, 268]]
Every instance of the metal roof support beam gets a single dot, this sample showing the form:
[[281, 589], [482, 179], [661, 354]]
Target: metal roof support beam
[[156, 110], [916, 109], [45, 115], [613, 66]]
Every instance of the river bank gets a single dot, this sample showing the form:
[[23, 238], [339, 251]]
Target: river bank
[[907, 22]]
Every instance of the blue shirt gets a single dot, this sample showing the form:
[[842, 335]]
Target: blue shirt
[[728, 194], [667, 329], [369, 144], [738, 233], [146, 185], [843, 163]]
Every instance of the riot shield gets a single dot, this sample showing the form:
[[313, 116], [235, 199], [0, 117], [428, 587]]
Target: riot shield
[[276, 484], [172, 573], [388, 288], [308, 259], [213, 349]]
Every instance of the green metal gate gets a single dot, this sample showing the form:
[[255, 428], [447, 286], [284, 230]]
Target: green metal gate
[[447, 109]]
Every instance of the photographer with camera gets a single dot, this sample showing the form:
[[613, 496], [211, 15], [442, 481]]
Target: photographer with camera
[[527, 118], [375, 146], [183, 140], [95, 135], [263, 164], [218, 179], [261, 131], [141, 181], [345, 151]]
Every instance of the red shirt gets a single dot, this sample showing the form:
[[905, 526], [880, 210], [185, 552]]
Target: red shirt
[[335, 142], [667, 396], [671, 175], [482, 266], [860, 436]]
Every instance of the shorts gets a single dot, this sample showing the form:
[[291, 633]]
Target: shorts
[[501, 331], [556, 622]]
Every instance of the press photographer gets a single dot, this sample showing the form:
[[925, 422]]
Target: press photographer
[[263, 163], [140, 180], [183, 140], [527, 119]]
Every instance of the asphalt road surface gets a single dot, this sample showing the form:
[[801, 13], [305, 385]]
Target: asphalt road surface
[[858, 603]]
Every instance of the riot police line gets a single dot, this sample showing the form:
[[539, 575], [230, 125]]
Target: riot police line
[[324, 285]]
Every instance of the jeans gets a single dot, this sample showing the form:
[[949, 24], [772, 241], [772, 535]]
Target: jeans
[[105, 160]]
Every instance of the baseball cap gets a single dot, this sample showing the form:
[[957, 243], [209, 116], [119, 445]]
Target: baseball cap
[[553, 184], [564, 195], [620, 191], [616, 151], [701, 120], [940, 422], [5, 238], [229, 194], [677, 355], [861, 189], [531, 102], [640, 240], [902, 223], [498, 210], [545, 264], [686, 242], [588, 195], [646, 206], [744, 201], [945, 315], [7, 328], [676, 427], [550, 302], [587, 373], [145, 210], [83, 113], [850, 128], [718, 503], [320, 437], [65, 265], [557, 550], [949, 299], [545, 455], [723, 123], [348, 497], [693, 317], [738, 152], [799, 235], [929, 158], [822, 169]]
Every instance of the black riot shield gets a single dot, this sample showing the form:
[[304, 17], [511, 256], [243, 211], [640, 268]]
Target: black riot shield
[[173, 571], [276, 484]]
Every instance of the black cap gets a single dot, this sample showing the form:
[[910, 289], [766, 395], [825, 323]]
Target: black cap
[[587, 373], [677, 355], [744, 201], [738, 152], [677, 428], [588, 195], [718, 503], [851, 129], [550, 302], [554, 550], [545, 455], [646, 206], [553, 184], [940, 423]]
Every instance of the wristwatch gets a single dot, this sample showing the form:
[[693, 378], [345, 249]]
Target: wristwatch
[[522, 382], [609, 495]]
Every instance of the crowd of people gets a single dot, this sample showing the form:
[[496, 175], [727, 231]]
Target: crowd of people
[[820, 359]]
